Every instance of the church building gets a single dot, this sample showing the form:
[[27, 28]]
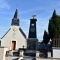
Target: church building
[[14, 38]]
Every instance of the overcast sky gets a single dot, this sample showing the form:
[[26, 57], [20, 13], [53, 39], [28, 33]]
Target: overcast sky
[[43, 10]]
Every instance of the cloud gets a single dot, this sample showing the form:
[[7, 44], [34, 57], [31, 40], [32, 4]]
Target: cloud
[[4, 4], [45, 6], [30, 10], [3, 28], [42, 24]]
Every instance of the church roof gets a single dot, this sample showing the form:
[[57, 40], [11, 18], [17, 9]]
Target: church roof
[[15, 20], [22, 33], [16, 14]]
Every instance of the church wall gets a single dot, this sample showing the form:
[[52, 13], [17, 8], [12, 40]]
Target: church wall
[[20, 40], [6, 40], [14, 36]]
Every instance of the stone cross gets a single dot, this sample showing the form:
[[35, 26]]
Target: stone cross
[[33, 16], [23, 46]]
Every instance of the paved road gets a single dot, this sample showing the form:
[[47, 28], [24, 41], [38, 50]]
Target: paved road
[[46, 59]]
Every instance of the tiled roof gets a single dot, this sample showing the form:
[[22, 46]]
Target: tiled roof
[[22, 33]]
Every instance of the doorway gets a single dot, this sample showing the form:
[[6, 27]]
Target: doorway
[[13, 45]]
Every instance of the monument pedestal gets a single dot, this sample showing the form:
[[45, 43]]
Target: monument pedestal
[[32, 43]]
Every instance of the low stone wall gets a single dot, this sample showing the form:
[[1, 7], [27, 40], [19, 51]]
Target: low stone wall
[[2, 53], [46, 59], [56, 52]]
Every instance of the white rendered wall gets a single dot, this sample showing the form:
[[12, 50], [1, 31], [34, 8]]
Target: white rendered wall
[[56, 53], [2, 53], [5, 49], [14, 36], [37, 53]]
